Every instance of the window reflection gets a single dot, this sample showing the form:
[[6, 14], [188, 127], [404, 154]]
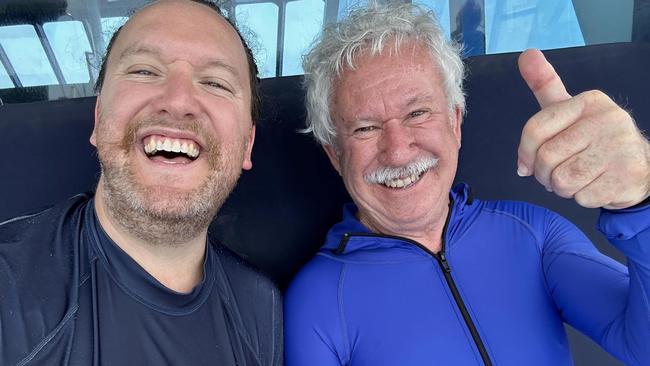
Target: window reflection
[[26, 54], [441, 9], [109, 26], [262, 20], [49, 59], [304, 20], [514, 25], [70, 45], [5, 80]]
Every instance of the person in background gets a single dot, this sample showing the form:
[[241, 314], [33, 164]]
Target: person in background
[[420, 273], [129, 276]]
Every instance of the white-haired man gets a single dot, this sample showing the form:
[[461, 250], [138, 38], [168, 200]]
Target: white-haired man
[[419, 274], [129, 276]]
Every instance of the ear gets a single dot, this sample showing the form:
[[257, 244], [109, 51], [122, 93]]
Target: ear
[[93, 136], [248, 162], [458, 120], [334, 157]]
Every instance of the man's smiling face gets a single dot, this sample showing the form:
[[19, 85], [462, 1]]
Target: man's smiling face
[[397, 140], [173, 121]]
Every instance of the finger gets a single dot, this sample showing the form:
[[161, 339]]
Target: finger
[[541, 78], [607, 191], [542, 127], [575, 173]]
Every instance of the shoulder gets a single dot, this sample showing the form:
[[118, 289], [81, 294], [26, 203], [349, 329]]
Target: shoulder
[[312, 295], [553, 231], [254, 301], [38, 266], [254, 294], [36, 227], [242, 275], [320, 275], [44, 238], [516, 213], [517, 209]]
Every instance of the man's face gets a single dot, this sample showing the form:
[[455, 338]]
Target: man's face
[[173, 123], [397, 143]]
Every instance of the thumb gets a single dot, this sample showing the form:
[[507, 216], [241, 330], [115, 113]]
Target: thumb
[[541, 78]]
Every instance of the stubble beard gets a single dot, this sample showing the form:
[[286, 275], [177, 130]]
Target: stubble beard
[[161, 215]]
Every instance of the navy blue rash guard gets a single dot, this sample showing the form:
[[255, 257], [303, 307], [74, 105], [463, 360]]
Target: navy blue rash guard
[[70, 296]]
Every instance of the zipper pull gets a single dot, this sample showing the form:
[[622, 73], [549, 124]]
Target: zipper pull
[[444, 263], [342, 244]]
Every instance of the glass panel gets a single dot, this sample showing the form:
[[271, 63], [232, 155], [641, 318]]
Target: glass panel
[[109, 26], [5, 80], [605, 21], [304, 20], [262, 21], [345, 5], [441, 9], [514, 25], [26, 54], [70, 44]]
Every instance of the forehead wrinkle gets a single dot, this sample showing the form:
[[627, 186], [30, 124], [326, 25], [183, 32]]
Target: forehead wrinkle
[[419, 98], [137, 49]]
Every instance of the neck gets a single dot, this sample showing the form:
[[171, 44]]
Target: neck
[[429, 235], [177, 265]]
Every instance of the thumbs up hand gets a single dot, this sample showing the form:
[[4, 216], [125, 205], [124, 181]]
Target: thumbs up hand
[[583, 147]]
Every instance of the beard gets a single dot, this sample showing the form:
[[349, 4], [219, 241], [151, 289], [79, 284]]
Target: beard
[[161, 214]]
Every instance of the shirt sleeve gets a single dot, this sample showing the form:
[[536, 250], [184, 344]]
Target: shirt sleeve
[[594, 293]]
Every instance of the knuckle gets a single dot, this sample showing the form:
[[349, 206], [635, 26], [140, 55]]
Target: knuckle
[[562, 184], [546, 154], [592, 96], [531, 129]]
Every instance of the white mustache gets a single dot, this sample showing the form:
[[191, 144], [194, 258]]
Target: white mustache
[[418, 166]]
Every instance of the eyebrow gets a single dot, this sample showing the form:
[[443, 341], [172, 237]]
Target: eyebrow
[[136, 50]]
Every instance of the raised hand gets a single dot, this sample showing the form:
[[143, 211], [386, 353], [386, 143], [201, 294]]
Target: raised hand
[[584, 147]]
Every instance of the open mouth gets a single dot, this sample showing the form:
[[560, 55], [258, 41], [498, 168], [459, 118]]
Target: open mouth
[[171, 150], [403, 182]]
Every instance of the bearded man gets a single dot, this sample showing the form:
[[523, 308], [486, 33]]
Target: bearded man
[[129, 276], [418, 273]]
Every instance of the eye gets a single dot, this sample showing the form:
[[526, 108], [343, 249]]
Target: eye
[[141, 72], [417, 113], [365, 132], [365, 129], [217, 85]]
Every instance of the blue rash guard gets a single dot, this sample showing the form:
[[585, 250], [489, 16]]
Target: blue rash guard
[[510, 274], [70, 296]]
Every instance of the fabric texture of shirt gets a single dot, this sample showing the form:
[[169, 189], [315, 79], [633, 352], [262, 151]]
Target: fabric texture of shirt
[[512, 273], [70, 296]]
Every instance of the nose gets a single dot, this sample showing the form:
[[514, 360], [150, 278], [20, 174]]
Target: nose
[[178, 96], [397, 144]]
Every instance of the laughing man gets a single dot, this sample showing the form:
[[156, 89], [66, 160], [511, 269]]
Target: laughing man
[[129, 276]]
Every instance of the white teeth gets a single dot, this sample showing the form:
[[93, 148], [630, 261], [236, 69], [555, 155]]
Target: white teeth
[[171, 145], [167, 145], [401, 183], [192, 151]]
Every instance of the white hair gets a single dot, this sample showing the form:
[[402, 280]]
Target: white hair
[[370, 28]]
